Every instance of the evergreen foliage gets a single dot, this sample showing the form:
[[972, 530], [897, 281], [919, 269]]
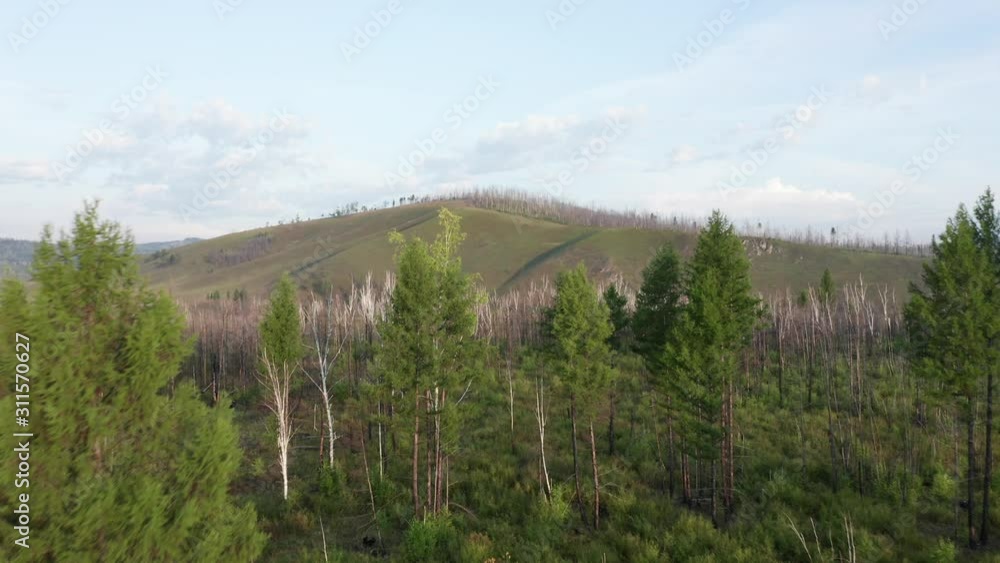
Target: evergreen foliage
[[428, 349], [281, 328], [826, 287], [657, 305], [126, 465], [621, 320], [954, 323], [581, 326]]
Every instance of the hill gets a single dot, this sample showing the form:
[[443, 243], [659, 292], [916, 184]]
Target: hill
[[507, 249]]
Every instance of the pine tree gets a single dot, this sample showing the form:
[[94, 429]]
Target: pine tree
[[581, 358], [826, 287], [987, 235], [703, 350], [126, 465], [620, 320], [281, 327], [282, 349], [952, 322], [657, 305], [429, 350], [619, 341], [657, 310]]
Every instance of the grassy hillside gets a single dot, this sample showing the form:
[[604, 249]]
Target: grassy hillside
[[506, 250]]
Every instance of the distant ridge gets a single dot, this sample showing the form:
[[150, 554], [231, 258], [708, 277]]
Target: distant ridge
[[16, 255], [512, 240]]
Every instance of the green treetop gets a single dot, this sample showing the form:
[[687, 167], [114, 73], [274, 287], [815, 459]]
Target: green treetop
[[125, 465]]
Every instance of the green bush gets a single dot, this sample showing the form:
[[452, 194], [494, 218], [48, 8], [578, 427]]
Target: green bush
[[433, 539], [944, 552]]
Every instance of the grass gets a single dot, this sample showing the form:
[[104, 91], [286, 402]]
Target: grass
[[508, 251]]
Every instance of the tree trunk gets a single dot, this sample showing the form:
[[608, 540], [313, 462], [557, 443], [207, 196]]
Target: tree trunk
[[781, 366], [970, 494], [671, 455], [429, 501], [371, 490], [715, 517], [597, 483], [416, 454], [510, 391], [576, 461], [984, 527], [611, 426], [329, 421], [540, 418], [686, 478]]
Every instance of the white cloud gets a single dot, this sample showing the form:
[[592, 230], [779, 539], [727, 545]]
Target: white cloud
[[149, 189], [775, 201], [18, 170], [683, 153], [532, 143]]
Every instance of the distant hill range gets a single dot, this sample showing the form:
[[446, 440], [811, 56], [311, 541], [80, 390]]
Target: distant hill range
[[16, 255], [512, 240]]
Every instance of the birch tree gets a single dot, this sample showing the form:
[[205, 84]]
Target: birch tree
[[328, 326]]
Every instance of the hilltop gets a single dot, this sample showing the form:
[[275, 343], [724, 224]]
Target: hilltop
[[507, 249]]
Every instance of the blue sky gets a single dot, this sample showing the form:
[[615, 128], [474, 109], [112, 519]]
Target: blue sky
[[197, 118]]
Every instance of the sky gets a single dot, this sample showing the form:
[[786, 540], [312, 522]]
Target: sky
[[198, 118]]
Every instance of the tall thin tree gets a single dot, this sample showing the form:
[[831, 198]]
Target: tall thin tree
[[952, 324], [281, 355]]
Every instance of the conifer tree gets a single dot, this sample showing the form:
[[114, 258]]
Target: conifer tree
[[987, 226], [429, 350], [619, 341], [281, 353], [620, 319], [657, 306], [125, 464], [952, 320], [826, 287], [582, 358], [703, 350]]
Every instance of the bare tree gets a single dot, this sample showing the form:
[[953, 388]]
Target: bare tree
[[277, 382], [328, 326]]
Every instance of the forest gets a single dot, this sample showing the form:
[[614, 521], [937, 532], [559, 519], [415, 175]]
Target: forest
[[418, 417]]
